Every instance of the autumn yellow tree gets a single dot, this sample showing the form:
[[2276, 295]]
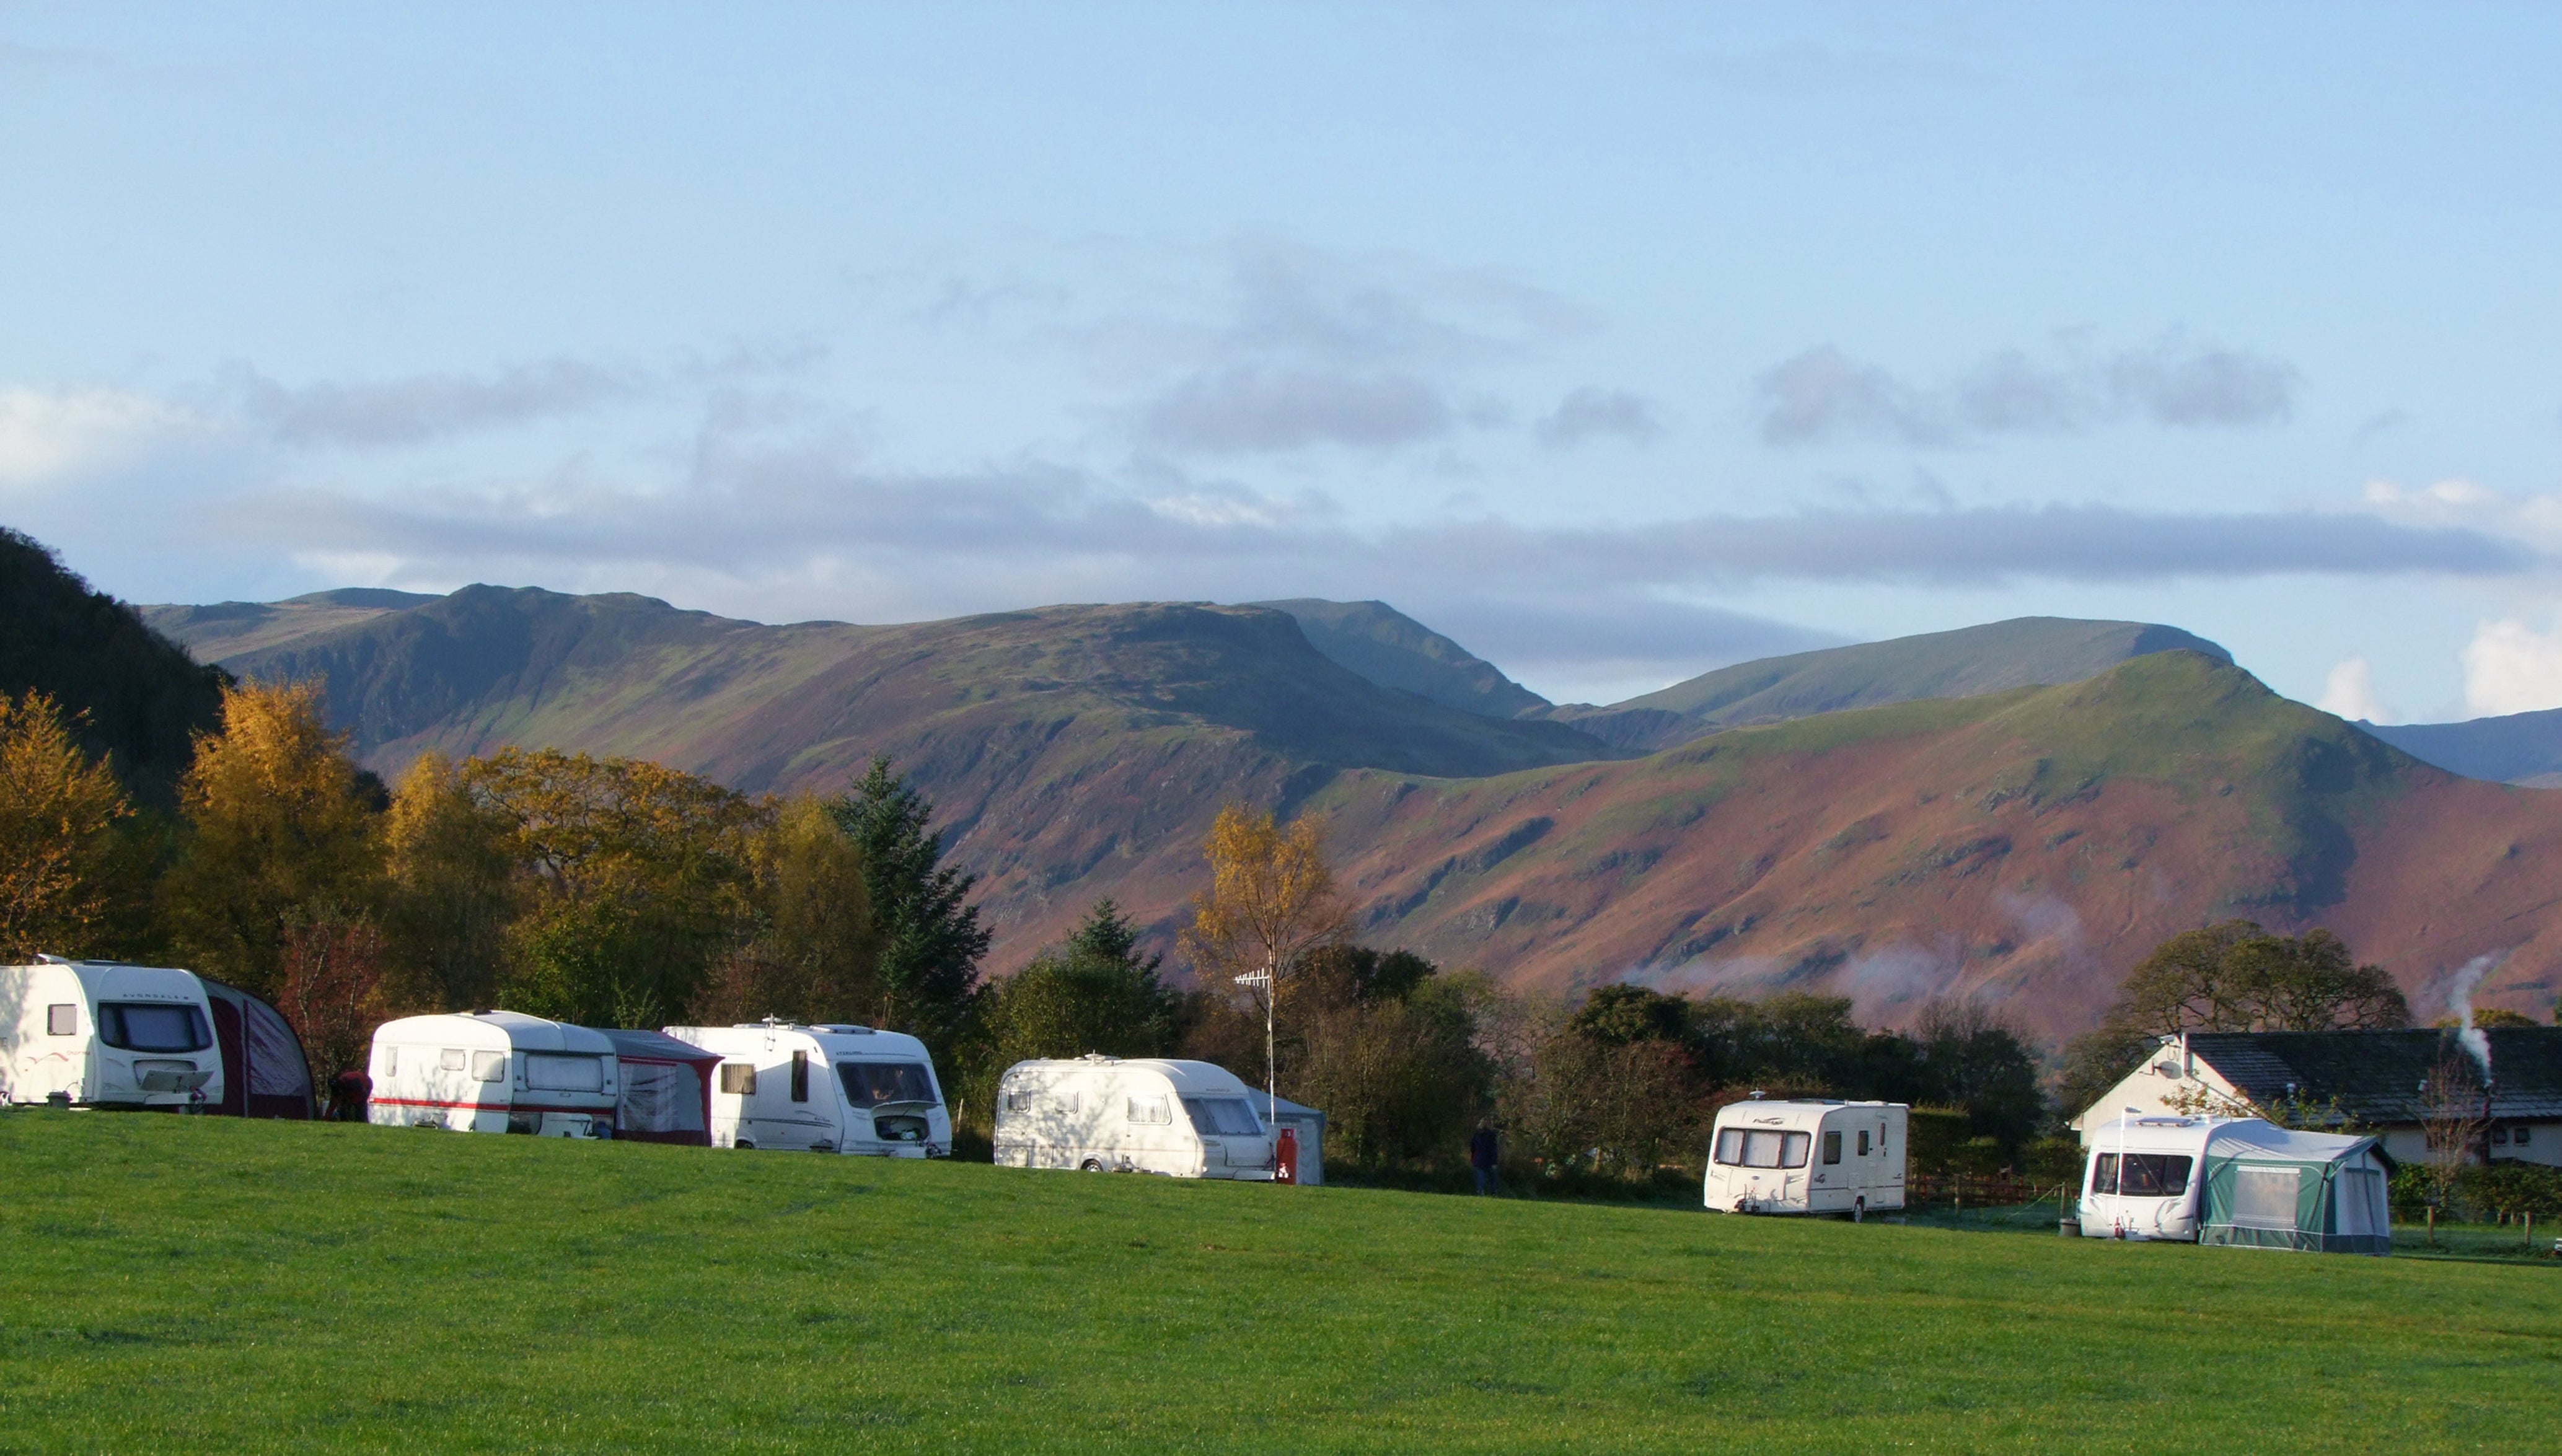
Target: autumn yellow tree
[[1271, 903], [810, 953], [636, 878], [451, 890], [277, 822], [58, 808]]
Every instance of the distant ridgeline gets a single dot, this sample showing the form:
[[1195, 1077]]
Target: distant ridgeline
[[130, 692], [2016, 812]]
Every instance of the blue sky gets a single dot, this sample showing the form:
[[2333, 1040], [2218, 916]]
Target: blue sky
[[1619, 342]]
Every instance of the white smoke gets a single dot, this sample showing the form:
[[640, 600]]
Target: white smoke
[[2459, 1002]]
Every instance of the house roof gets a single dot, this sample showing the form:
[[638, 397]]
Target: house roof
[[2376, 1075]]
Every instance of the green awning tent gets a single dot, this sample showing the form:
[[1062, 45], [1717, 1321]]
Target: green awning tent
[[2316, 1192]]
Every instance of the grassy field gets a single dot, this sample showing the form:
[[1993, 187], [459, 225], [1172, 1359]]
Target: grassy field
[[201, 1284]]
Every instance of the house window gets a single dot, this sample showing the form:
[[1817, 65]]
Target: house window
[[800, 1076], [63, 1020], [738, 1080], [1832, 1147], [2520, 1140], [2500, 1137]]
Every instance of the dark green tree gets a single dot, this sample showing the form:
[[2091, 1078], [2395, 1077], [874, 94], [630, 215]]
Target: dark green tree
[[930, 940], [1094, 992]]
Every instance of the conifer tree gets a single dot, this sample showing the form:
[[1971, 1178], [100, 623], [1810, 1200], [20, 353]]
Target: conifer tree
[[929, 940]]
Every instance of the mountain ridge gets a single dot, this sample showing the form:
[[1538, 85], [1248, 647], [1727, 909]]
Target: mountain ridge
[[2024, 845]]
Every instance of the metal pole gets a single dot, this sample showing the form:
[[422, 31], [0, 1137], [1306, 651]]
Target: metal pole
[[1271, 1057]]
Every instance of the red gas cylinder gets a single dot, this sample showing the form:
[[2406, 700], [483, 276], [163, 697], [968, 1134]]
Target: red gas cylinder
[[1285, 1156]]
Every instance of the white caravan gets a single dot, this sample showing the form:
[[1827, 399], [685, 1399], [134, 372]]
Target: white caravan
[[828, 1088], [2237, 1180], [493, 1072], [1181, 1119], [95, 1033], [1807, 1158]]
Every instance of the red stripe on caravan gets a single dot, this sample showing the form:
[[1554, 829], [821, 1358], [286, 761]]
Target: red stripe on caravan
[[481, 1106]]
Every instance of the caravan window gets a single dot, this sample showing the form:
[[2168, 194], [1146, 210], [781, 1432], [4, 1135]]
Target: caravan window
[[738, 1080], [1832, 1147], [489, 1066], [1863, 1143], [1754, 1147], [1151, 1110], [145, 1026], [555, 1073], [800, 1076], [2149, 1176], [61, 1020], [450, 1060], [1223, 1117], [1017, 1101], [874, 1084]]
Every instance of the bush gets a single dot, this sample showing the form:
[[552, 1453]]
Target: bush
[[2410, 1190], [2053, 1161], [1936, 1134], [2506, 1189]]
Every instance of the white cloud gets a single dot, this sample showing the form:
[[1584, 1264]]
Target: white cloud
[[1823, 394], [1591, 413], [49, 438], [425, 407], [2510, 668], [2350, 693], [1231, 410], [2534, 518], [1303, 347]]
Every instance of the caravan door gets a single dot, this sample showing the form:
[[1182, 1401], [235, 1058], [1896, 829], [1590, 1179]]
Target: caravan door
[[795, 1108], [734, 1103]]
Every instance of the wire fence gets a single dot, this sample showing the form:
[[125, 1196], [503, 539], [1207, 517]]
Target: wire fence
[[1996, 1190]]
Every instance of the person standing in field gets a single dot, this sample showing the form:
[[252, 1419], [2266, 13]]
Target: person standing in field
[[1482, 1151]]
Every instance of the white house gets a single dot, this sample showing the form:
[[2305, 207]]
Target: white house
[[1806, 1157], [2372, 1077], [95, 1034], [1181, 1119], [829, 1088], [493, 1072]]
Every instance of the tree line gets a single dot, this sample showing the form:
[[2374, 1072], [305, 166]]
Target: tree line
[[607, 891], [614, 891]]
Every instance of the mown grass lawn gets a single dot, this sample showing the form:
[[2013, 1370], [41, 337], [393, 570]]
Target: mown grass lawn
[[202, 1284]]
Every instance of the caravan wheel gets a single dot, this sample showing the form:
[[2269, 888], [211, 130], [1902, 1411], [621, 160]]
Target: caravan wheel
[[1090, 1165]]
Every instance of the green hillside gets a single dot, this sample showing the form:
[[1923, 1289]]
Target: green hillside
[[143, 698], [767, 706], [2022, 652], [2025, 849], [230, 628], [204, 1284], [1394, 650]]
